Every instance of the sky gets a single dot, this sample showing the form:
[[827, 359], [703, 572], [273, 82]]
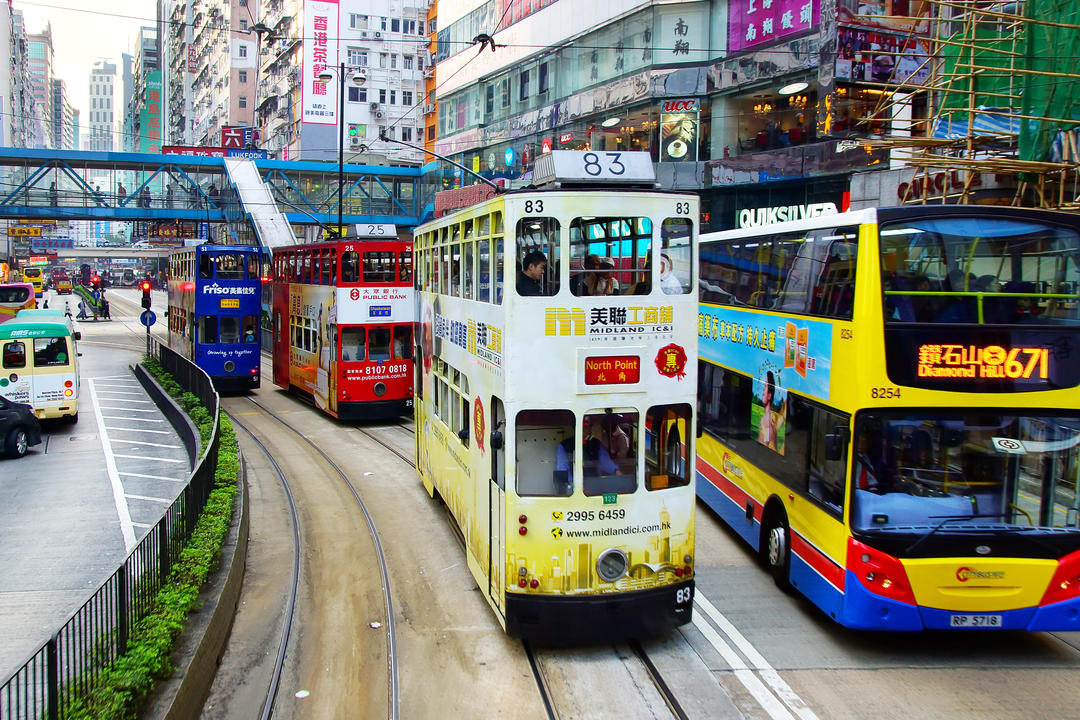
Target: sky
[[85, 31]]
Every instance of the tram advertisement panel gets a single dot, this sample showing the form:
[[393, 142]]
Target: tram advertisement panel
[[795, 351], [312, 311], [360, 305]]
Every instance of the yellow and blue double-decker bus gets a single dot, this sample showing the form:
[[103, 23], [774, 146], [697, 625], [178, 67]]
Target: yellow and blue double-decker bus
[[888, 401]]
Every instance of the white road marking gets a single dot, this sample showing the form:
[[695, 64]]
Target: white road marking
[[143, 442], [135, 429], [124, 392], [129, 409], [142, 420], [150, 499], [144, 526], [758, 662], [154, 477], [143, 457], [126, 528]]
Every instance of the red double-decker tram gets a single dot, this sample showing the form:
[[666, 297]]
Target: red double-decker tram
[[343, 325]]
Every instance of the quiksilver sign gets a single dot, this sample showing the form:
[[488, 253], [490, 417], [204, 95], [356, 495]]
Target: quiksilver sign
[[756, 217]]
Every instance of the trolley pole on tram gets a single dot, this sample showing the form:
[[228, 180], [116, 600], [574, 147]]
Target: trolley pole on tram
[[358, 78]]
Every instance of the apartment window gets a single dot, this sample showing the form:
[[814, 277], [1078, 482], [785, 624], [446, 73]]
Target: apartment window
[[431, 133], [243, 3], [243, 51], [393, 60], [395, 25], [406, 62], [406, 97], [358, 22], [523, 86], [419, 62], [382, 60], [420, 27], [393, 97], [408, 26], [406, 134], [243, 101], [357, 57], [382, 23], [382, 95], [243, 25], [243, 76], [390, 132], [542, 81], [357, 94]]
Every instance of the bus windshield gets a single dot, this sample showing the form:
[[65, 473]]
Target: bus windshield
[[986, 271], [914, 470]]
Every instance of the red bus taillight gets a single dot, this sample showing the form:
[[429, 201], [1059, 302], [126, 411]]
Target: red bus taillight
[[1065, 584], [879, 573]]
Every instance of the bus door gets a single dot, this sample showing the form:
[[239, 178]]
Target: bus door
[[497, 505]]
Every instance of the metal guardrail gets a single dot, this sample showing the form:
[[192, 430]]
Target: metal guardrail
[[70, 664]]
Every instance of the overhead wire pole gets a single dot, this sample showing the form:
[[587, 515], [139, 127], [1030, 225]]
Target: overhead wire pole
[[359, 78]]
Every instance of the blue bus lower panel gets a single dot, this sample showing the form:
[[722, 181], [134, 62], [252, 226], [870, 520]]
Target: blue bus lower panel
[[729, 511], [820, 591], [559, 620]]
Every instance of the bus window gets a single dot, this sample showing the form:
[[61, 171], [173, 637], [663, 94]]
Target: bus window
[[540, 234], [350, 267], [230, 329], [14, 355], [206, 267], [403, 342], [544, 452], [379, 344], [50, 351], [667, 446], [609, 452], [353, 341], [208, 333]]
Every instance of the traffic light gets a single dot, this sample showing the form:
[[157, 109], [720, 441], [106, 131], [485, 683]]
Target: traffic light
[[145, 285], [95, 282]]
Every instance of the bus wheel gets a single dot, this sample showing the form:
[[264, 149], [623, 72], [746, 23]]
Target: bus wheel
[[72, 419], [17, 443], [778, 553]]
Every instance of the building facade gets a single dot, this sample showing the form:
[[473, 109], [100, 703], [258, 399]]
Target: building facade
[[64, 130], [102, 135], [16, 94], [144, 108], [40, 66]]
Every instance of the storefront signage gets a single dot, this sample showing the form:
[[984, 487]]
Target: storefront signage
[[679, 130], [756, 217], [870, 55], [239, 136], [953, 179], [15, 231], [566, 138], [194, 151], [621, 370], [757, 22], [321, 49]]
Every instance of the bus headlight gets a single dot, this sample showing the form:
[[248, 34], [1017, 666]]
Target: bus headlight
[[230, 366], [611, 565]]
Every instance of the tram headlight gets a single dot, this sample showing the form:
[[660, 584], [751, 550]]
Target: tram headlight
[[612, 564], [380, 389], [230, 366]]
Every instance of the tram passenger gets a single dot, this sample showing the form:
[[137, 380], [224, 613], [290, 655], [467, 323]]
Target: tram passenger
[[533, 267], [249, 334], [668, 282]]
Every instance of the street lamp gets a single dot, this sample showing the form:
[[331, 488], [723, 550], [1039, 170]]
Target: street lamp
[[358, 79]]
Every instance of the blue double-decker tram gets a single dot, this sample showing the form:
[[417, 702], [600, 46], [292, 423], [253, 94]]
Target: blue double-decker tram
[[214, 306]]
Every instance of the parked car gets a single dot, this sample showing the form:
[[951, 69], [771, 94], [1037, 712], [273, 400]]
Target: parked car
[[18, 427]]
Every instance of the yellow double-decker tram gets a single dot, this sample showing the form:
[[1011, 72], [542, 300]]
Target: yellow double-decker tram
[[555, 396]]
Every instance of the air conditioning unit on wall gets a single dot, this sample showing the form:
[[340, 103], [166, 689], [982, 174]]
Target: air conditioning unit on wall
[[380, 114], [378, 35], [364, 34]]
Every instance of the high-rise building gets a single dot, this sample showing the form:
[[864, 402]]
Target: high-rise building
[[387, 42], [63, 114], [210, 57], [16, 95], [40, 66], [144, 121], [102, 107]]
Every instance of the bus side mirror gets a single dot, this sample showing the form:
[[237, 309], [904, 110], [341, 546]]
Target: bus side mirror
[[496, 440], [463, 434]]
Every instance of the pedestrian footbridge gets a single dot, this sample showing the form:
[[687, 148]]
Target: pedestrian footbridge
[[264, 201]]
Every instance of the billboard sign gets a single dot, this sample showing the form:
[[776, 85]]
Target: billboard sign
[[320, 99]]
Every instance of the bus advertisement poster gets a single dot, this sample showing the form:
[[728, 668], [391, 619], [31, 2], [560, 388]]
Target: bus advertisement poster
[[797, 351]]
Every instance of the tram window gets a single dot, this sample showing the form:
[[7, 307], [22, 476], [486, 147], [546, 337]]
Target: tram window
[[608, 255], [350, 267], [444, 271], [14, 355], [208, 330], [405, 267], [483, 270], [609, 452], [230, 329], [403, 342], [468, 270], [379, 344], [230, 267], [50, 352], [540, 234], [498, 271], [206, 266], [455, 269], [667, 446], [353, 341], [544, 442], [676, 235], [251, 325], [378, 266], [316, 267], [253, 266]]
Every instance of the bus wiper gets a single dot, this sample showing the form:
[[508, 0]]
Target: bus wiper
[[945, 520]]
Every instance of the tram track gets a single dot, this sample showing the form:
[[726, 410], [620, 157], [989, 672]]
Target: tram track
[[388, 625]]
